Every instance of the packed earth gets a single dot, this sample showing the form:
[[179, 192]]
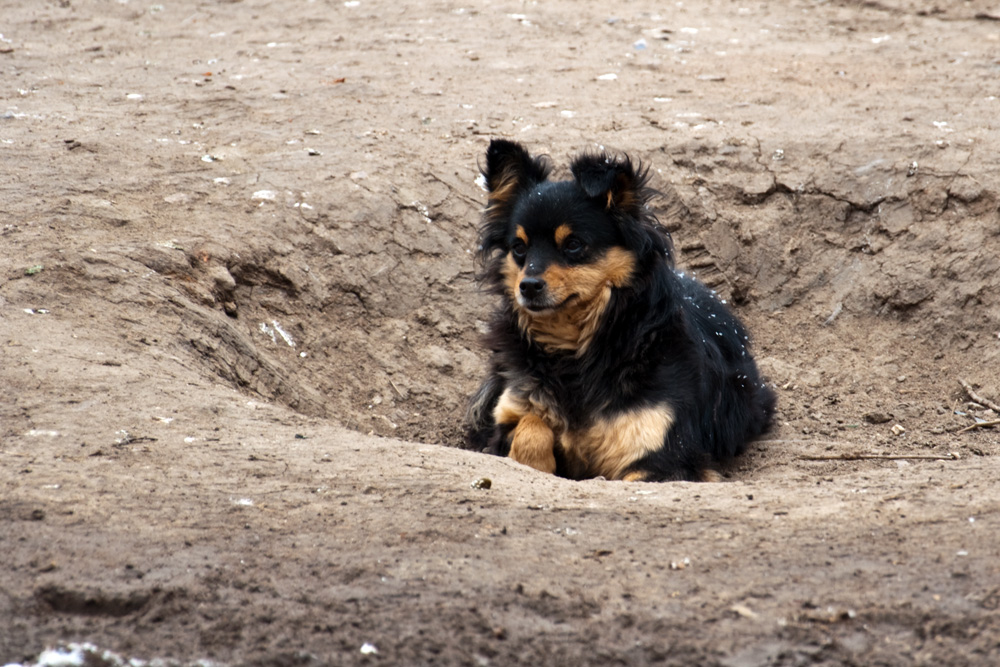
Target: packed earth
[[239, 325]]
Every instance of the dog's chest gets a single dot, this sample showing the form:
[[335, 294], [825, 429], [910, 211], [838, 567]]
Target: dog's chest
[[579, 390]]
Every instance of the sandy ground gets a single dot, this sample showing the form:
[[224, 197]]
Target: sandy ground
[[238, 327]]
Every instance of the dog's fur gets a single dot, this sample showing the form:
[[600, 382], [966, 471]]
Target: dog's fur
[[606, 360]]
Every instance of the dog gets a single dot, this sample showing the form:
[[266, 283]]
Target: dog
[[606, 360]]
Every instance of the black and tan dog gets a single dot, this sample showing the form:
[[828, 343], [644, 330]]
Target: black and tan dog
[[606, 360]]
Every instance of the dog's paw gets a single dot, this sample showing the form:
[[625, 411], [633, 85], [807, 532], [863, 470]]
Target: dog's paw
[[532, 444], [539, 460], [710, 475]]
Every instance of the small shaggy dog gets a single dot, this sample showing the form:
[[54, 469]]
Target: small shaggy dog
[[606, 361]]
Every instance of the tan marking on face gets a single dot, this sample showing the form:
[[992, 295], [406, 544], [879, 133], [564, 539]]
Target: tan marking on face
[[562, 231], [572, 326], [521, 234], [612, 444], [512, 274]]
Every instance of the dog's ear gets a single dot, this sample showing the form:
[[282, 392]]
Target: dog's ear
[[510, 169], [613, 181], [622, 189]]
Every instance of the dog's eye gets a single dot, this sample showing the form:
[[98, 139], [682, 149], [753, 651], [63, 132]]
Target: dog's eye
[[519, 249], [573, 247]]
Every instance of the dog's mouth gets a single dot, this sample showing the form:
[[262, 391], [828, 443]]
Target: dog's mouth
[[541, 306]]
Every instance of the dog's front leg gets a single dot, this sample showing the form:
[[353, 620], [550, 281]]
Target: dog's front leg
[[532, 444], [531, 439]]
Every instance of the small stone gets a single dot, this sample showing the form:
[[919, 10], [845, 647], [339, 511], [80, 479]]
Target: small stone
[[877, 417], [743, 610]]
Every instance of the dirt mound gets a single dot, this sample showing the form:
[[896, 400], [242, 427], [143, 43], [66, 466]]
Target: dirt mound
[[238, 239]]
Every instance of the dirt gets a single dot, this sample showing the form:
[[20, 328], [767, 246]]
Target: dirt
[[238, 326]]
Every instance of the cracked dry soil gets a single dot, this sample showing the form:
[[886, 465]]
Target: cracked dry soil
[[238, 326]]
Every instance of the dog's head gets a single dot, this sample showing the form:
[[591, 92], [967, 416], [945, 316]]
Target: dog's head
[[555, 249]]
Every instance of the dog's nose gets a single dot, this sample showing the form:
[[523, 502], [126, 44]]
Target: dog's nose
[[532, 287]]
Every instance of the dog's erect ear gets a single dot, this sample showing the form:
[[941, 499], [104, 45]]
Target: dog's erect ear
[[622, 189], [510, 169], [613, 181]]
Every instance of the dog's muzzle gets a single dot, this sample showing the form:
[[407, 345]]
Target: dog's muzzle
[[534, 294], [532, 288]]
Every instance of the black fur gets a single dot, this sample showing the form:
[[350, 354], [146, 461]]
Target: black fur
[[664, 339]]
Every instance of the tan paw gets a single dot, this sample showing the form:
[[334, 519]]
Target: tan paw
[[532, 444], [710, 475]]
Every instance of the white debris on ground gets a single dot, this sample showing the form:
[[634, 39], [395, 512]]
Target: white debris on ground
[[275, 328], [86, 654]]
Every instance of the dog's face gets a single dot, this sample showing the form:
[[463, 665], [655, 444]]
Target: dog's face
[[563, 249], [556, 249]]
